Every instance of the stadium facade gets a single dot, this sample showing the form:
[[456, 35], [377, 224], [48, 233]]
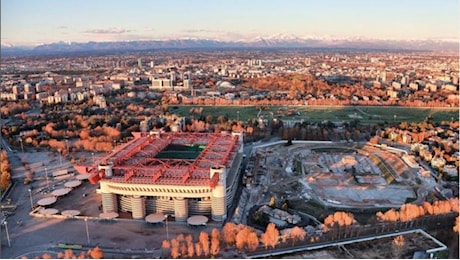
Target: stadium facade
[[175, 173]]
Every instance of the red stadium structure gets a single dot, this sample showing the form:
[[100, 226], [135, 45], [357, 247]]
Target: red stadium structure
[[169, 159]]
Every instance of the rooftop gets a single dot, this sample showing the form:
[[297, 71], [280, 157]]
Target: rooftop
[[169, 158]]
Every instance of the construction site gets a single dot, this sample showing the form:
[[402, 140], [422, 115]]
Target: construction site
[[318, 178]]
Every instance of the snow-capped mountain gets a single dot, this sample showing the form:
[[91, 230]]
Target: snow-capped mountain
[[272, 41]]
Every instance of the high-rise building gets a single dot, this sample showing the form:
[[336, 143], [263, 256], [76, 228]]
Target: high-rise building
[[173, 78], [455, 80], [161, 83], [405, 80], [187, 80], [383, 76], [27, 88]]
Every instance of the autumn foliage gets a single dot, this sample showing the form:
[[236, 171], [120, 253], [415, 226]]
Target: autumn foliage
[[174, 248], [95, 253], [410, 212], [297, 234], [215, 242], [339, 218], [398, 246], [456, 224], [5, 170], [204, 242], [229, 232], [97, 139], [246, 238], [198, 249], [271, 236]]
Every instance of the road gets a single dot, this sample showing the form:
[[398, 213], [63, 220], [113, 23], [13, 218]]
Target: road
[[4, 145]]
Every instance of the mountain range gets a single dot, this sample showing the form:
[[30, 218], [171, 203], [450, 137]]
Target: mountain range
[[280, 41]]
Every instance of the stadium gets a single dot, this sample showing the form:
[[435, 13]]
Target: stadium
[[174, 173]]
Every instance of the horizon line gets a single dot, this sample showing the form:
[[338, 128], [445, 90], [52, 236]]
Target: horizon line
[[247, 39]]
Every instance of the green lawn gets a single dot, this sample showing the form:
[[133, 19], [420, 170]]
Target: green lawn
[[317, 114]]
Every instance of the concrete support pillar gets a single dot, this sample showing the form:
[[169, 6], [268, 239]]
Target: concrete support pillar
[[138, 207], [109, 202], [180, 209], [218, 207]]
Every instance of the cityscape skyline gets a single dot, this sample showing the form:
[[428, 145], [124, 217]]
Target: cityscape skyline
[[31, 23]]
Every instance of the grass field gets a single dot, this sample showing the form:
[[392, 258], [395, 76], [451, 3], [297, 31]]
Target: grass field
[[317, 114]]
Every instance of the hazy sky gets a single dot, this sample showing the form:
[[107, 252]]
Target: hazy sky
[[31, 22]]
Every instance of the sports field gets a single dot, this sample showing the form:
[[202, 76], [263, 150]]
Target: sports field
[[365, 114]]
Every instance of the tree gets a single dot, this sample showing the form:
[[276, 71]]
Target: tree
[[180, 238], [298, 234], [183, 249], [271, 236], [428, 208], [456, 224], [68, 254], [243, 236], [215, 242], [229, 233], [5, 171], [96, 253], [272, 202], [189, 238], [215, 233], [285, 206], [204, 241], [340, 218], [84, 134], [174, 248], [215, 246], [240, 240], [454, 204], [398, 246], [5, 180], [190, 249], [252, 241], [165, 245], [198, 249]]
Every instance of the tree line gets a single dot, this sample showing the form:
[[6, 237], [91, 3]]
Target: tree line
[[5, 170], [95, 253]]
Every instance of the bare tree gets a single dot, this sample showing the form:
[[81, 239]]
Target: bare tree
[[398, 246], [204, 241], [198, 249]]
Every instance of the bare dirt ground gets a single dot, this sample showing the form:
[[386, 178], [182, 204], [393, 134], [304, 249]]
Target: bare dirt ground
[[340, 179]]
